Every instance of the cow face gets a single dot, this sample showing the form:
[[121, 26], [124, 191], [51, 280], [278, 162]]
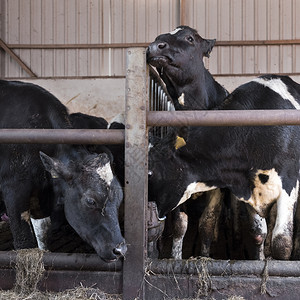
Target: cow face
[[91, 196], [178, 56], [167, 178]]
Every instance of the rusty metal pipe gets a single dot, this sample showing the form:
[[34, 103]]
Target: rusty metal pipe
[[65, 261], [224, 118], [222, 267], [62, 136]]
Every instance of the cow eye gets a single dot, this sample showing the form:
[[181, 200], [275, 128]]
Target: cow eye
[[90, 202], [190, 38], [150, 173]]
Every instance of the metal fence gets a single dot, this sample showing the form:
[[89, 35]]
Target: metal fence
[[159, 100], [141, 277]]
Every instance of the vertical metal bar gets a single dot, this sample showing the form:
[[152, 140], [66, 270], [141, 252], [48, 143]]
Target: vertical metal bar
[[136, 180], [3, 19], [182, 12]]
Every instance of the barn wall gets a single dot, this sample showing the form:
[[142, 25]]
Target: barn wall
[[140, 21], [105, 97], [255, 20], [82, 22]]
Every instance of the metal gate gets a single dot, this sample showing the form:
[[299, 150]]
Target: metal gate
[[139, 277], [146, 278]]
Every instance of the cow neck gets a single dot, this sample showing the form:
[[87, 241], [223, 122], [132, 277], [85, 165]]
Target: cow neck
[[204, 92]]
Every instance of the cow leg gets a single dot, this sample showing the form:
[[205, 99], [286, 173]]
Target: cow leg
[[296, 250], [17, 205], [208, 221], [41, 228], [180, 222], [282, 237], [258, 231], [271, 225]]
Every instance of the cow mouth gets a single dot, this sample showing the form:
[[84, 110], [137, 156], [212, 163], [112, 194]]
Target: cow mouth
[[111, 260], [160, 61]]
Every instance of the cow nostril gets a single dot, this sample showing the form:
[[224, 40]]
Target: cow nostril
[[120, 250], [117, 251], [162, 45]]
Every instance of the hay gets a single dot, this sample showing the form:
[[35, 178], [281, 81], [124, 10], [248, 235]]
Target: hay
[[204, 280], [265, 277], [29, 270], [80, 293]]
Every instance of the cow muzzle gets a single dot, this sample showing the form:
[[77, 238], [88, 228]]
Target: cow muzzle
[[120, 250], [154, 223]]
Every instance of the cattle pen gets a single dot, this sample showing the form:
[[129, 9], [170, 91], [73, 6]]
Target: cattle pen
[[138, 276]]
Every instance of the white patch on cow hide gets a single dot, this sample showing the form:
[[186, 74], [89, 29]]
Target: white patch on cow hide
[[25, 215], [280, 88], [119, 118], [41, 228], [192, 188], [175, 30], [266, 193], [182, 223], [106, 173], [181, 99], [285, 208]]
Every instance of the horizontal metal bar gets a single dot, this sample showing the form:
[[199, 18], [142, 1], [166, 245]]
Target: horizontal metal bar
[[224, 118], [65, 261], [129, 45], [259, 43], [225, 267], [77, 46], [62, 136]]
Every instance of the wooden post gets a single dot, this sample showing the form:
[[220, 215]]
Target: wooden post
[[136, 174]]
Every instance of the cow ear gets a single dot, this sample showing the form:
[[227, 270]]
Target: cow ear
[[207, 46], [55, 167]]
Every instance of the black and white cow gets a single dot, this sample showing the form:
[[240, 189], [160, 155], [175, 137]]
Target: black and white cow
[[259, 165], [178, 56], [34, 177], [85, 121]]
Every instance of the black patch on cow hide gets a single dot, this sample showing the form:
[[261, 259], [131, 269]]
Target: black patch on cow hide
[[263, 178]]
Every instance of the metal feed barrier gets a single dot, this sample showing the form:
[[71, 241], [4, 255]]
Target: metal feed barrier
[[139, 277]]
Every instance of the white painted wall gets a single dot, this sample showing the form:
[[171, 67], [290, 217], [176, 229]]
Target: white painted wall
[[106, 97], [97, 97]]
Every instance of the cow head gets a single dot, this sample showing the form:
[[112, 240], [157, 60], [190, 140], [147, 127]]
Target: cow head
[[167, 174], [178, 58], [91, 196]]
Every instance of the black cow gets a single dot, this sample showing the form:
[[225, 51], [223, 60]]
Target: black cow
[[36, 176], [191, 86], [84, 121], [178, 57]]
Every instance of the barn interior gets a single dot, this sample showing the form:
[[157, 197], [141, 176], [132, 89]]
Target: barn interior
[[77, 50]]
